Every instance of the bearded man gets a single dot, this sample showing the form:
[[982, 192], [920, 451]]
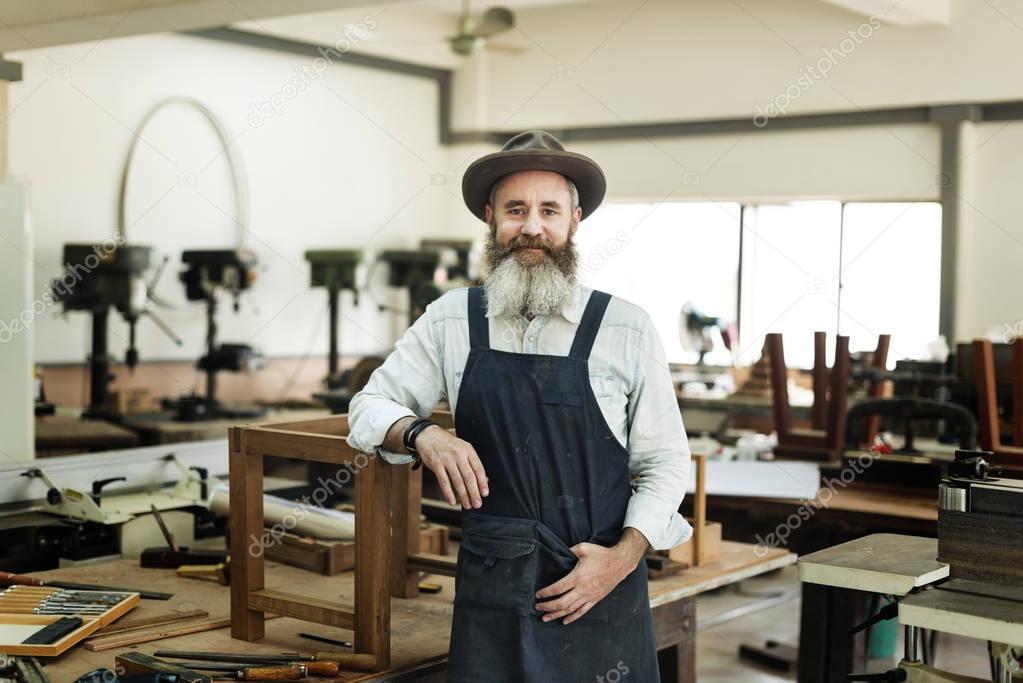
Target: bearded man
[[561, 397]]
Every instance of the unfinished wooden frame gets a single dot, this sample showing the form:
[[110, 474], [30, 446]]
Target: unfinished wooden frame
[[387, 503]]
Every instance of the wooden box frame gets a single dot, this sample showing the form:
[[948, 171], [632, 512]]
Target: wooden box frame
[[387, 500]]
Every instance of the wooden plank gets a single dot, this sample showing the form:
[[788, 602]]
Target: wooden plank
[[779, 385], [819, 411], [700, 509], [128, 639], [406, 493], [246, 523], [738, 561], [155, 620], [987, 400], [325, 426], [430, 563], [300, 446], [879, 362], [839, 399], [372, 581], [302, 607]]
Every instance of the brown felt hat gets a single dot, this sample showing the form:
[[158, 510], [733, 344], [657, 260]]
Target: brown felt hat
[[533, 150]]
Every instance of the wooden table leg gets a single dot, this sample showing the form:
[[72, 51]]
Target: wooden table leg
[[247, 547], [675, 632], [372, 552], [826, 650], [406, 507]]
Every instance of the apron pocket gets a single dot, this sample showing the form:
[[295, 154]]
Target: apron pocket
[[496, 573]]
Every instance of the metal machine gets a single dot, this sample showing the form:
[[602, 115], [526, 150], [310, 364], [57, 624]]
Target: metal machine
[[100, 278], [437, 266], [208, 273], [334, 270], [980, 539]]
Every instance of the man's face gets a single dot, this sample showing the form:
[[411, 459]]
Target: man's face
[[532, 215]]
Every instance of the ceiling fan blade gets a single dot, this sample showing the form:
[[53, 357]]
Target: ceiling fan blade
[[506, 48]]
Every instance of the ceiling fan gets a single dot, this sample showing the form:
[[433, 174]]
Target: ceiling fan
[[474, 33]]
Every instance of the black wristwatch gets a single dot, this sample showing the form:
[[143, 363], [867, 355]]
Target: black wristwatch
[[409, 439]]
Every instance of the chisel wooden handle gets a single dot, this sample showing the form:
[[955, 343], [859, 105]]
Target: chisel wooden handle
[[347, 660], [271, 673], [18, 580], [325, 669]]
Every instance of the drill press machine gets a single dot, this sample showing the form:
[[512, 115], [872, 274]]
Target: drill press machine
[[209, 272]]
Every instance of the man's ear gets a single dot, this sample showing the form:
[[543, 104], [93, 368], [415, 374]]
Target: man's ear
[[578, 214], [489, 213]]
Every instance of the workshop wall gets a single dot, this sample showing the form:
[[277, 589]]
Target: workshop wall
[[349, 161], [591, 65]]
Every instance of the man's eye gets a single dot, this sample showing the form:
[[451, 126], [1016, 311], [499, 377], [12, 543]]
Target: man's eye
[[549, 212], [515, 212]]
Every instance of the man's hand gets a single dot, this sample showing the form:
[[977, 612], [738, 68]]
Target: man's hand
[[457, 467], [596, 574]]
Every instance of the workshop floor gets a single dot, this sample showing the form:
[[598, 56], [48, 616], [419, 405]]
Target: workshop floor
[[718, 645]]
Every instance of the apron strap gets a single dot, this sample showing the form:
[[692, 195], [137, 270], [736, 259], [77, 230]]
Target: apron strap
[[479, 326], [588, 326]]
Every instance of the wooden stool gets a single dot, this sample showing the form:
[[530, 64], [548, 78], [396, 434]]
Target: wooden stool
[[1009, 456], [824, 441], [387, 558]]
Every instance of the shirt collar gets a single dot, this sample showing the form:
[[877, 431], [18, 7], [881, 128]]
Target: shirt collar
[[573, 309]]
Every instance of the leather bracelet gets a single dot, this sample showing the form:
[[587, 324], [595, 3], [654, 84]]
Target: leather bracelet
[[410, 435]]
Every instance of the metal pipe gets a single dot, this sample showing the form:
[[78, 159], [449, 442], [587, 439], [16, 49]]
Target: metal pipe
[[912, 644]]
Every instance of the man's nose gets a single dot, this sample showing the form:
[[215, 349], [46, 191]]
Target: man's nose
[[533, 224]]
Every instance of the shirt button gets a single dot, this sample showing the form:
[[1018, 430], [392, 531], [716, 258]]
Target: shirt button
[[532, 339]]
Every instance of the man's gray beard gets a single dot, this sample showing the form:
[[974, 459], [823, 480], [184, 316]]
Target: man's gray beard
[[540, 289]]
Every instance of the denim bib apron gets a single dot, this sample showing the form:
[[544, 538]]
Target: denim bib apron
[[557, 477]]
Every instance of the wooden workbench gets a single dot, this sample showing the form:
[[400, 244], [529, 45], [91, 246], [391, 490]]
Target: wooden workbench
[[154, 430], [420, 627], [66, 434]]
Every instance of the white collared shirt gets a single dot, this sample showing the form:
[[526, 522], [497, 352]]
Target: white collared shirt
[[628, 372]]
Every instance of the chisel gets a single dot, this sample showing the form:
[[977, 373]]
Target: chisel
[[6, 578], [288, 672]]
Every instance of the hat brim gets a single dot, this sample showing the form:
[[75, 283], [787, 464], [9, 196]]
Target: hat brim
[[484, 172]]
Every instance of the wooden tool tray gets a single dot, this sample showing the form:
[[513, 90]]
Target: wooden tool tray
[[15, 628]]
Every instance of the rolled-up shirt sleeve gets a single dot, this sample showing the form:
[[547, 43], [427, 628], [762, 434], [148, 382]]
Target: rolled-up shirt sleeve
[[659, 455], [409, 383]]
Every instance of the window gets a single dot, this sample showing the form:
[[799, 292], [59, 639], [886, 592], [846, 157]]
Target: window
[[861, 269], [660, 256], [858, 269]]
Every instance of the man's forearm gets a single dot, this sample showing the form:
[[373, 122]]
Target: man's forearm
[[393, 440], [632, 546]]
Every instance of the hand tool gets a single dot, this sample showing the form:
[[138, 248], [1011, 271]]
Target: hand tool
[[228, 661], [288, 672], [323, 639], [9, 579], [173, 555], [133, 665], [235, 656], [221, 572]]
